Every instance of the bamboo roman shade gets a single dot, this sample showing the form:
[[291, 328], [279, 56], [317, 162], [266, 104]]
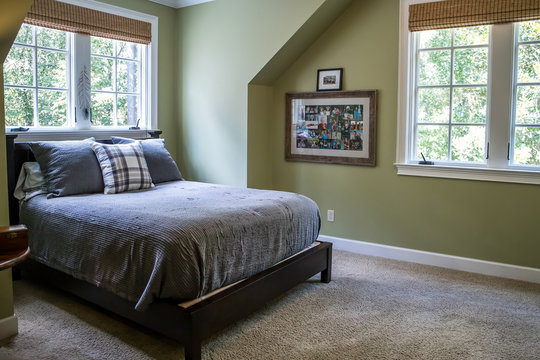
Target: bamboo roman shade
[[462, 13], [67, 17]]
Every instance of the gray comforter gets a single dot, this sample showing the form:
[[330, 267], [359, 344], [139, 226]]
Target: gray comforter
[[179, 240]]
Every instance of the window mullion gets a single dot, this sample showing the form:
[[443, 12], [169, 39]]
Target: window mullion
[[115, 84], [35, 70], [450, 113], [500, 92]]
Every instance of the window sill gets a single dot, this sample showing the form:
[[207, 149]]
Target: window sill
[[74, 134], [470, 173]]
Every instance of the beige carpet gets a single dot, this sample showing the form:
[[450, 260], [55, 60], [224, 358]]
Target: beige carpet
[[373, 309]]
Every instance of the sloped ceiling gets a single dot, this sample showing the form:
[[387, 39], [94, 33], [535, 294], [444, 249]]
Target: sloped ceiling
[[11, 17], [300, 41]]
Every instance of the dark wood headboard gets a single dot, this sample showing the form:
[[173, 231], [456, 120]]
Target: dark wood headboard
[[19, 153]]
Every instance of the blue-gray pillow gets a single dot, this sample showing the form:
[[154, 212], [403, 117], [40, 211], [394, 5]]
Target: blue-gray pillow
[[69, 167], [160, 163]]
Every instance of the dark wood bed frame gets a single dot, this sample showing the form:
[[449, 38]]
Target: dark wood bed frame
[[188, 325]]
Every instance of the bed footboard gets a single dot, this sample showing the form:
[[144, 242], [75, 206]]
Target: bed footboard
[[192, 324]]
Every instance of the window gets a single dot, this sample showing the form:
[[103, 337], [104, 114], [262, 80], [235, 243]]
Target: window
[[116, 78], [54, 78], [470, 102], [451, 94], [36, 78]]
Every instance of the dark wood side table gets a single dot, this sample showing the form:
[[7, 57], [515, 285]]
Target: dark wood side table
[[13, 245]]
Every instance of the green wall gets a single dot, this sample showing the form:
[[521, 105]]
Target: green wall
[[223, 45], [484, 220]]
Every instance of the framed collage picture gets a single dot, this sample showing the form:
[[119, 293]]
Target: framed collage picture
[[331, 127]]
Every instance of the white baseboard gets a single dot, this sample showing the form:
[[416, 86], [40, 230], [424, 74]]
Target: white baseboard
[[8, 327], [435, 259]]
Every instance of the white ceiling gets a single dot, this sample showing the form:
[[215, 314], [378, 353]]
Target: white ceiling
[[180, 3]]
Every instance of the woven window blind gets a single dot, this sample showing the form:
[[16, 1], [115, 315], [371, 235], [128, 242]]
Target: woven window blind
[[67, 17], [462, 13]]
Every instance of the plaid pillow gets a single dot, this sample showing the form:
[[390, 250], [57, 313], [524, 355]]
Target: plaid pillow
[[123, 167]]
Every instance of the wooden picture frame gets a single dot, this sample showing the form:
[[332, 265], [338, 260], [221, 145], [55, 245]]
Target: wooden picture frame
[[329, 79], [331, 127]]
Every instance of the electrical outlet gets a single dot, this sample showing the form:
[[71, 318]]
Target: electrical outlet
[[330, 215]]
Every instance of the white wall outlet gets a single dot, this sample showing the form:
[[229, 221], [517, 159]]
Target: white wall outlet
[[330, 215]]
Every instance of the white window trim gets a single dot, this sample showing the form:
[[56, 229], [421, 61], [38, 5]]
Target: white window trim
[[151, 82], [515, 174]]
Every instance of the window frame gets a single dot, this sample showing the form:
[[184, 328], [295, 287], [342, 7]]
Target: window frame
[[494, 169], [149, 79]]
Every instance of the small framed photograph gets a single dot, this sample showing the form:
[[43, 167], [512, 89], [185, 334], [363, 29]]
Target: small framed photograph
[[329, 79], [332, 128]]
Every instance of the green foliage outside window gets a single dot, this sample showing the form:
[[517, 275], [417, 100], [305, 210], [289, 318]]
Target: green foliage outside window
[[51, 73], [18, 67], [19, 107], [444, 61], [102, 109]]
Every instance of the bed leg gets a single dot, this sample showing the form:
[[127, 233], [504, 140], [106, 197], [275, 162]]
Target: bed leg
[[192, 350], [326, 275]]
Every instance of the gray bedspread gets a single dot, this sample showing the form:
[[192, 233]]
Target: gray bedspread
[[179, 240]]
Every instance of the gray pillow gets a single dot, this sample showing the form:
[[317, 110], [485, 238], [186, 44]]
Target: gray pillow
[[160, 163], [69, 167]]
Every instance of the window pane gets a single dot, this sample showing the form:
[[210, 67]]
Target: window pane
[[52, 69], [468, 143], [527, 146], [477, 35], [102, 109], [127, 50], [433, 105], [435, 38], [469, 105], [434, 67], [128, 76], [101, 46], [19, 66], [25, 35], [19, 107], [52, 105], [529, 63], [471, 66], [127, 110], [50, 38], [102, 74], [432, 141], [528, 105], [529, 31]]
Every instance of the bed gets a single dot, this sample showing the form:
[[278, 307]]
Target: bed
[[235, 248]]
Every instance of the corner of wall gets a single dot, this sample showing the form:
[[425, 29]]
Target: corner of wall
[[260, 110]]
